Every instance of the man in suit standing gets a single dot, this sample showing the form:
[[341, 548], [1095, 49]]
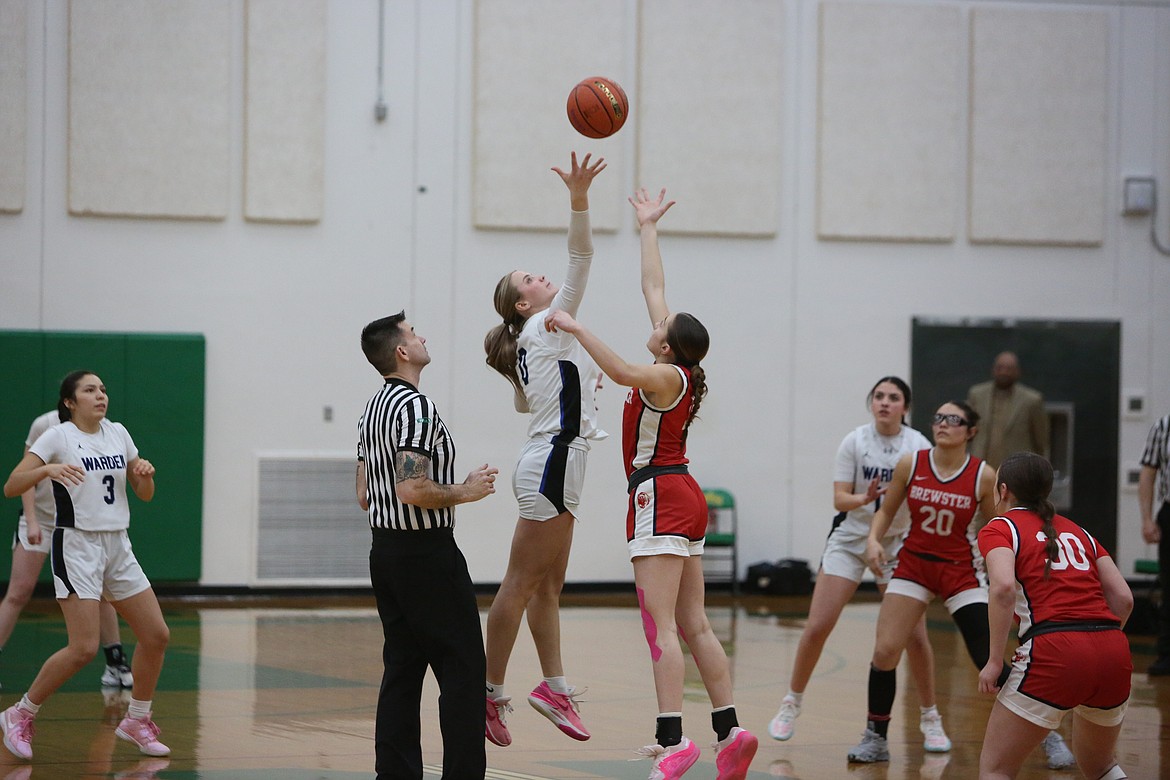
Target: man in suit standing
[[1013, 414]]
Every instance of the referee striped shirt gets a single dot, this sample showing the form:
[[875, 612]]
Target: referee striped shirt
[[400, 418], [1157, 455]]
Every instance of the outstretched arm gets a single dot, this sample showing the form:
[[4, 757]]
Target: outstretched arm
[[577, 179], [654, 378], [648, 211]]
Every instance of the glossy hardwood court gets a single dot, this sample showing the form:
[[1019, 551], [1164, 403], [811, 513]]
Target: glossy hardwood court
[[284, 689]]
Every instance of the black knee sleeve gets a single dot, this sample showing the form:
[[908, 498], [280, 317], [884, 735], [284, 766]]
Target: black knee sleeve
[[882, 688], [972, 623]]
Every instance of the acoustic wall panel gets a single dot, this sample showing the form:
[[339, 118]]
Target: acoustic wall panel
[[284, 145], [149, 98], [708, 112], [889, 121], [528, 55], [1039, 103], [13, 102]]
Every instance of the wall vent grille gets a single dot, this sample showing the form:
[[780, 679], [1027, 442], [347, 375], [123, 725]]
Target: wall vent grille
[[310, 527]]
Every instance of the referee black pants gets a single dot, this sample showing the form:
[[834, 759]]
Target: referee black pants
[[429, 618], [1163, 520]]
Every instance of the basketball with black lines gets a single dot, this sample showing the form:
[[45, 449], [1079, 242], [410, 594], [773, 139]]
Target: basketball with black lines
[[597, 107]]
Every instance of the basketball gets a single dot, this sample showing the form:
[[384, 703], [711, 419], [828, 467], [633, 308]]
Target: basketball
[[597, 107]]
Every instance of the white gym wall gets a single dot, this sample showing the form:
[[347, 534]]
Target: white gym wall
[[288, 216]]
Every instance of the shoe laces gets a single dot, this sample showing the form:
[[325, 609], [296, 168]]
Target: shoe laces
[[573, 697], [788, 709], [931, 725], [25, 728], [503, 705], [649, 751], [149, 728]]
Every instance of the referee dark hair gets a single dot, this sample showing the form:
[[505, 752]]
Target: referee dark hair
[[405, 480]]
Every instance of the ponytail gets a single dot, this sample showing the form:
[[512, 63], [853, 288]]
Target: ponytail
[[1029, 478], [698, 391], [689, 341], [500, 343]]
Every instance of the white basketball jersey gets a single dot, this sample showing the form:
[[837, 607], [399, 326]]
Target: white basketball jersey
[[865, 454], [46, 507], [99, 503], [559, 380]]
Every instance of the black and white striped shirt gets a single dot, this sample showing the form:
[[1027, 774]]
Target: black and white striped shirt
[[1157, 455], [398, 418]]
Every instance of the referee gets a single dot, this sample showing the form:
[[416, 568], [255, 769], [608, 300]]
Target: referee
[[1156, 528], [405, 480]]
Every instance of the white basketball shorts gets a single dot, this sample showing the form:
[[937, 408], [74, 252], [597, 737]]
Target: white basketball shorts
[[95, 565]]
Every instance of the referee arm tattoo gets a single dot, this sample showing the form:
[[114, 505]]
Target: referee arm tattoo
[[410, 465], [416, 487]]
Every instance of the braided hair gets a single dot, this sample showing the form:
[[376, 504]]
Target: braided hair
[[689, 341]]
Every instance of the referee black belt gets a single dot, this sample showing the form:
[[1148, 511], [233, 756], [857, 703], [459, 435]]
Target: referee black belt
[[1052, 626], [650, 472], [934, 558]]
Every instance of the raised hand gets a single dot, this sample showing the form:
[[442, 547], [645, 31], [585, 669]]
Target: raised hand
[[647, 209], [580, 176]]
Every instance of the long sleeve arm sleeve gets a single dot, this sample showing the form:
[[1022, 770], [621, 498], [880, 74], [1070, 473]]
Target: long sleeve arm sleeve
[[568, 298]]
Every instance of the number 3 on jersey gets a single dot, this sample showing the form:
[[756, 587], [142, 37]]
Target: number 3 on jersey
[[108, 481]]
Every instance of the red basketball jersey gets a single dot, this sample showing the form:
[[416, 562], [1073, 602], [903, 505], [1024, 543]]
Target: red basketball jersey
[[1072, 592], [655, 437], [941, 510]]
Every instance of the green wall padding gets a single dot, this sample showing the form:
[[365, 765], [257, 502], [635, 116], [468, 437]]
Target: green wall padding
[[156, 388]]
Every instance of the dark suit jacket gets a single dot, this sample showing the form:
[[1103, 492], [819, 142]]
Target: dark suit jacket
[[1026, 426]]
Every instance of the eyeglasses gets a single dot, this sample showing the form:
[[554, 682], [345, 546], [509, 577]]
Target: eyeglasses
[[953, 420]]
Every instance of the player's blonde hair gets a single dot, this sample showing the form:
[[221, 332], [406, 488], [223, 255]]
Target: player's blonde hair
[[500, 341]]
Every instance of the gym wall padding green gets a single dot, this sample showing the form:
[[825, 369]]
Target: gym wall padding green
[[156, 387]]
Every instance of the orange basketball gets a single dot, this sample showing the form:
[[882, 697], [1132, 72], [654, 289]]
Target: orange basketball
[[597, 107]]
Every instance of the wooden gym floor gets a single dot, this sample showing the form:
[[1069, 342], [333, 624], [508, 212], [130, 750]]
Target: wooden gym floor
[[284, 689]]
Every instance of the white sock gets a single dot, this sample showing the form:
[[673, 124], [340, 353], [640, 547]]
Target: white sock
[[139, 710], [28, 706], [558, 685], [931, 710], [798, 698], [494, 691]]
